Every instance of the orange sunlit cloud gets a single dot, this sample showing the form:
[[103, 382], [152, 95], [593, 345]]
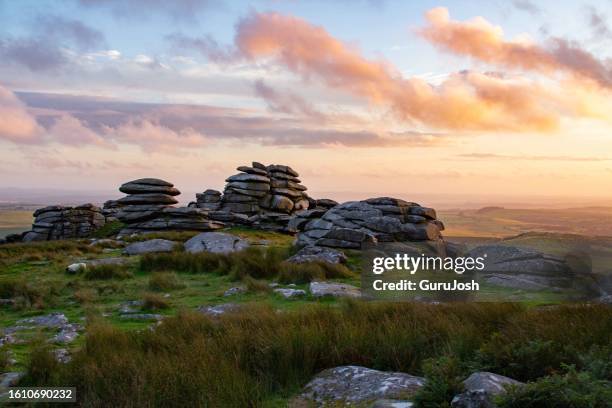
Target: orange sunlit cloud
[[466, 101]]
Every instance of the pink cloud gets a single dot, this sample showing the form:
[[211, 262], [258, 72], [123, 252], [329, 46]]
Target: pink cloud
[[16, 124]]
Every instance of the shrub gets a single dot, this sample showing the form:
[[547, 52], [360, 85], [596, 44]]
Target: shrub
[[153, 301], [164, 281], [107, 271], [444, 381], [573, 389], [42, 367]]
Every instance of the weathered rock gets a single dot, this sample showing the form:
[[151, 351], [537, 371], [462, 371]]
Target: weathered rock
[[147, 199], [318, 254], [141, 316], [10, 380], [58, 222], [481, 388], [215, 242], [237, 290], [150, 246], [52, 320], [321, 289], [218, 310], [493, 384], [358, 386], [522, 268], [288, 293], [136, 188]]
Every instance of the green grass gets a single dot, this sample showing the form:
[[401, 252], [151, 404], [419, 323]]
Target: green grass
[[249, 357]]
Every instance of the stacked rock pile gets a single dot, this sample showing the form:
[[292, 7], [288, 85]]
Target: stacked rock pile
[[316, 210], [59, 222], [382, 219], [148, 207], [266, 197], [209, 199]]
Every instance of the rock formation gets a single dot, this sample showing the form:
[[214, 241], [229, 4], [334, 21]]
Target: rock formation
[[59, 222], [148, 206], [266, 197], [382, 219]]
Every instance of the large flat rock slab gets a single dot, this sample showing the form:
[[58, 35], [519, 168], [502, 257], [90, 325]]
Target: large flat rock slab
[[216, 243]]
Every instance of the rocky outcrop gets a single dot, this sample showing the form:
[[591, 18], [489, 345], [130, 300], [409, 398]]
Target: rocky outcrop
[[358, 386], [265, 197], [148, 206], [522, 268], [325, 289], [384, 219], [60, 222]]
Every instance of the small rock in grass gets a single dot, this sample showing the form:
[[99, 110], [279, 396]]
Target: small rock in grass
[[237, 290], [290, 293]]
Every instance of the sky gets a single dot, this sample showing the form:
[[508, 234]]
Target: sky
[[473, 99]]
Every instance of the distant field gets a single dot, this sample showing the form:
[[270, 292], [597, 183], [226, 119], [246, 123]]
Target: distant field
[[500, 222], [12, 222]]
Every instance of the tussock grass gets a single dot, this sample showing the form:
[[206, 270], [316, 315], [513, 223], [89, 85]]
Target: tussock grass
[[153, 301], [46, 251], [86, 295], [244, 358], [106, 272], [27, 294], [254, 262], [165, 281]]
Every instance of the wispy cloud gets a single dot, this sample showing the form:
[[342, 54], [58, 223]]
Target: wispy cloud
[[495, 156], [180, 10]]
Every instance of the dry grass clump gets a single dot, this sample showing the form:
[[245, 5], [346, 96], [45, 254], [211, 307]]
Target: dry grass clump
[[165, 281], [86, 295], [244, 358], [154, 301], [106, 272], [27, 294]]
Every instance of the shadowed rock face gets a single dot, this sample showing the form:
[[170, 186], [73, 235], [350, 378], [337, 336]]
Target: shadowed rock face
[[59, 222], [382, 219]]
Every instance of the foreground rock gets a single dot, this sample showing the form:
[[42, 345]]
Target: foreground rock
[[215, 242], [521, 268], [60, 222], [318, 254], [481, 388], [384, 219], [218, 310], [358, 386], [150, 246], [322, 289], [149, 207]]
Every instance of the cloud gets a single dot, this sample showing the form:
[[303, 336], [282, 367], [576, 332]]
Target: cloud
[[289, 103], [464, 101], [180, 10], [175, 128], [47, 47], [598, 23], [16, 124], [483, 41], [495, 156], [527, 6], [205, 45]]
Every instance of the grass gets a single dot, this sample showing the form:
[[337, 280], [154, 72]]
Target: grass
[[253, 262], [247, 358], [165, 281], [106, 272], [153, 301]]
